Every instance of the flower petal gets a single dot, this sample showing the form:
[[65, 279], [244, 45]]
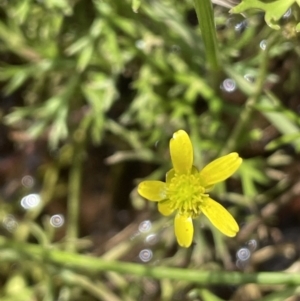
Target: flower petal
[[169, 175], [164, 208], [181, 150], [184, 230], [194, 170], [152, 190], [220, 217], [220, 169]]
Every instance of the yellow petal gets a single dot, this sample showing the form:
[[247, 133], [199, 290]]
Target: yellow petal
[[181, 150], [164, 208], [194, 170], [170, 174], [220, 169], [152, 190], [184, 230], [220, 217]]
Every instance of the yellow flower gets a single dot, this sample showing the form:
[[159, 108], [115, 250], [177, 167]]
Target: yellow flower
[[185, 190]]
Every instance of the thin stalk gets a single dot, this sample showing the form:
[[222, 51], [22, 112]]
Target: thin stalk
[[205, 17], [75, 191], [48, 190], [246, 114], [98, 290], [92, 265]]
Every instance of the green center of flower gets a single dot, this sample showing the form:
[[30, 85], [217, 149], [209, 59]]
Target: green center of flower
[[186, 193]]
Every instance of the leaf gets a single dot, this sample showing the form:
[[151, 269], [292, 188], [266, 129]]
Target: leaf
[[206, 295], [285, 139], [252, 171], [78, 45], [22, 11], [85, 57], [278, 119], [274, 10], [59, 128], [17, 115], [16, 81], [135, 5]]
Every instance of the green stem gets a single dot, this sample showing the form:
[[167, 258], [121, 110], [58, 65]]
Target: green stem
[[48, 190], [88, 264], [205, 16], [75, 191], [98, 290], [246, 114]]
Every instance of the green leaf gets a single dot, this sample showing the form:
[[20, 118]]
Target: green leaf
[[78, 45], [59, 128], [274, 113], [85, 57], [206, 295], [37, 128], [274, 10], [59, 4], [285, 139], [22, 11], [135, 5], [97, 129], [16, 81], [17, 115], [252, 172]]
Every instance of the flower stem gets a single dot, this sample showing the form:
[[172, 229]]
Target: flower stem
[[246, 114], [75, 191], [16, 251], [205, 16]]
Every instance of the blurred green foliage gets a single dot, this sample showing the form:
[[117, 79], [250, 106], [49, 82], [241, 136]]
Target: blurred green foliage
[[274, 10], [80, 75]]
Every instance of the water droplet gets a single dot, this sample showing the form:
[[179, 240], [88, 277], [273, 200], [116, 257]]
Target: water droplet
[[146, 255], [263, 44], [9, 222], [28, 181], [287, 14], [151, 239], [57, 220], [30, 201], [140, 44], [241, 26], [243, 254], [241, 264], [252, 245], [228, 85], [156, 143], [145, 226], [250, 78]]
